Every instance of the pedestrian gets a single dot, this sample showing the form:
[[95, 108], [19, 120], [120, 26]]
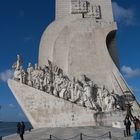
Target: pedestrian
[[127, 124], [21, 130], [18, 127], [136, 123]]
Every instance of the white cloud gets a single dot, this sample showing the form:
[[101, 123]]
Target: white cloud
[[124, 15], [11, 105], [4, 76], [129, 72], [134, 89], [6, 106]]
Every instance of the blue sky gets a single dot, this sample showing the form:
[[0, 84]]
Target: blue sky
[[22, 23]]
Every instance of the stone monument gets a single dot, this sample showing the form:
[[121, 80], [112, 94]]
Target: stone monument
[[77, 81]]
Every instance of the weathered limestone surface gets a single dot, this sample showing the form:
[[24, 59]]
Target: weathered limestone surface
[[45, 110], [78, 48], [82, 45]]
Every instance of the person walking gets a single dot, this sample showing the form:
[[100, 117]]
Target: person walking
[[136, 123], [127, 124], [21, 129], [18, 127]]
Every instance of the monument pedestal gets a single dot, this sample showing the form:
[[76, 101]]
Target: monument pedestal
[[46, 110]]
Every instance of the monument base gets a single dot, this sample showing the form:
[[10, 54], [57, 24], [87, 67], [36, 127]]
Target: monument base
[[46, 110]]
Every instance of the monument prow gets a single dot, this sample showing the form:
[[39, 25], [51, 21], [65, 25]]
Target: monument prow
[[45, 110]]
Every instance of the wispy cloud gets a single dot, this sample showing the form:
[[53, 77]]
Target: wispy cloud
[[129, 72], [27, 38], [123, 15], [5, 75], [11, 105], [8, 106], [134, 89]]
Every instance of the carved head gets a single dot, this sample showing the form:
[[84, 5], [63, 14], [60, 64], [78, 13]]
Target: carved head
[[36, 66], [82, 77], [60, 74], [91, 83], [29, 65], [18, 57], [95, 86], [46, 69]]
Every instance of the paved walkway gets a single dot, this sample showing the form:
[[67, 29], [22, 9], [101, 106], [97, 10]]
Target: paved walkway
[[65, 133]]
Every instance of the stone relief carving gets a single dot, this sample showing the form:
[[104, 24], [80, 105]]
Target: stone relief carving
[[82, 91], [18, 68], [94, 11], [79, 6], [85, 8]]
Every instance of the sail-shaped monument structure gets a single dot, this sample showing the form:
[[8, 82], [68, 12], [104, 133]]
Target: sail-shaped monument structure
[[77, 81]]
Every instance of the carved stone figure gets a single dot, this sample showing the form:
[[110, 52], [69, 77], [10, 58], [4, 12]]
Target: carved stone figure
[[87, 94], [30, 69], [79, 93], [37, 77], [57, 82], [71, 89], [36, 83], [22, 75], [46, 84], [17, 67], [41, 84], [18, 63], [111, 103], [99, 98], [63, 89], [119, 102], [50, 79], [105, 92], [95, 90]]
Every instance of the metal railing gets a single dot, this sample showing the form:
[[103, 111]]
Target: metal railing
[[82, 136]]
